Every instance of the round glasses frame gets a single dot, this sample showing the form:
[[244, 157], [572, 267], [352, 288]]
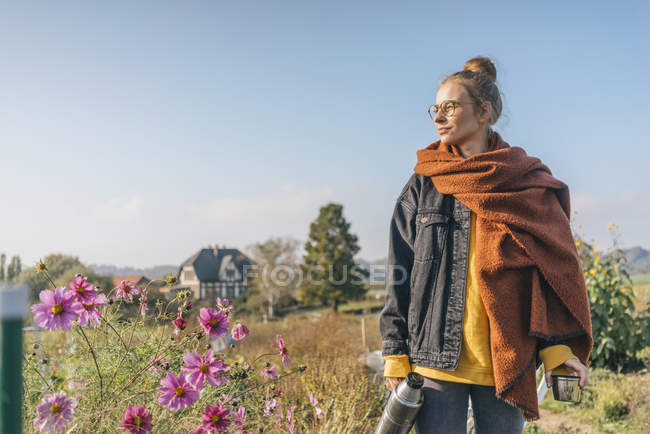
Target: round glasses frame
[[448, 108]]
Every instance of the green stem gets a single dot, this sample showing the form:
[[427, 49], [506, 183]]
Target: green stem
[[39, 374], [47, 275], [150, 363], [118, 335], [293, 371], [92, 352]]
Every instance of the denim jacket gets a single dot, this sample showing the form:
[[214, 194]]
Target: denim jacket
[[426, 276]]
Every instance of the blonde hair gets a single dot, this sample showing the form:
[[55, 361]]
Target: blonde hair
[[479, 77]]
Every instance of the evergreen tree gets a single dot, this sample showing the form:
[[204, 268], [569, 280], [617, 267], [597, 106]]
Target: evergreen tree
[[3, 259], [330, 274]]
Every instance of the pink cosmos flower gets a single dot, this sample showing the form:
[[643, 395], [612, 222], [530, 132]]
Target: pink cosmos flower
[[319, 412], [290, 421], [55, 411], [82, 289], [209, 368], [179, 321], [283, 351], [214, 323], [187, 305], [136, 420], [59, 309], [239, 332], [90, 314], [270, 373], [176, 392], [215, 418], [127, 290], [270, 407], [156, 363], [239, 418], [224, 305], [144, 306]]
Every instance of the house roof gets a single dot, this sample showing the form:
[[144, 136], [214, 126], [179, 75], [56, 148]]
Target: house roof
[[207, 265], [133, 278]]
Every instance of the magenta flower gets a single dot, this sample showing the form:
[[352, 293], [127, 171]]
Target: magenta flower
[[224, 305], [179, 321], [59, 309], [270, 373], [209, 368], [290, 421], [127, 290], [214, 323], [82, 289], [176, 392], [215, 418], [187, 305], [55, 411], [239, 332], [136, 420], [319, 412], [283, 351], [90, 314]]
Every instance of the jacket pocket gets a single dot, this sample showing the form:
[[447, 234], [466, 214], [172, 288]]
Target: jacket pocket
[[430, 235]]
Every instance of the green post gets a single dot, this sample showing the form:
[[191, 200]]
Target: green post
[[13, 303]]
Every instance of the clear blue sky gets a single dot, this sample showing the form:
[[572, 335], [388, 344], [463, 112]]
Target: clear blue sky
[[134, 133]]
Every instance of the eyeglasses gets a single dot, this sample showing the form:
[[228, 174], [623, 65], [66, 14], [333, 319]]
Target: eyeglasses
[[447, 107]]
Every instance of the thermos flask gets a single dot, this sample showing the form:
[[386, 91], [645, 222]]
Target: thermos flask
[[402, 406]]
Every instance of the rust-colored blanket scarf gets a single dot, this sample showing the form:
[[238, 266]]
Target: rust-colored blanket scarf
[[529, 273]]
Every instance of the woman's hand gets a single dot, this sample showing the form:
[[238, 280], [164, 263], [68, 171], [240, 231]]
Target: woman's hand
[[392, 382], [575, 367]]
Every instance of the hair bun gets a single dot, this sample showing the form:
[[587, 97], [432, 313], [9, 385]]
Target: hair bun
[[481, 64]]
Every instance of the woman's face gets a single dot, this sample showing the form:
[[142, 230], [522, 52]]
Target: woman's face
[[464, 124]]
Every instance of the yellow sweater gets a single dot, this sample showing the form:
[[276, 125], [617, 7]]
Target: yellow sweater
[[475, 363]]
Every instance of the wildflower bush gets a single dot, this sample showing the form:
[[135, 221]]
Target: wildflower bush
[[161, 371], [620, 332]]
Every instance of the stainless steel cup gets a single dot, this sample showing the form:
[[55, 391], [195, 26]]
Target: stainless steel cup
[[566, 388]]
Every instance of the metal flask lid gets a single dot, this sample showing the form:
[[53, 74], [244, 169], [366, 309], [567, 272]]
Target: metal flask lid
[[409, 392]]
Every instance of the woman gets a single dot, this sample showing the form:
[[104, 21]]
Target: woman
[[484, 281]]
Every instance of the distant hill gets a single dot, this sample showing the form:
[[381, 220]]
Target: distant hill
[[638, 260], [155, 272]]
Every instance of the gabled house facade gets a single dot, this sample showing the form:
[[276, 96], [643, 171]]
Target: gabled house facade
[[218, 272]]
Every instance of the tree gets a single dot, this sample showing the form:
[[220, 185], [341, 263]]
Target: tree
[[330, 274], [62, 269], [14, 268], [275, 274], [3, 259]]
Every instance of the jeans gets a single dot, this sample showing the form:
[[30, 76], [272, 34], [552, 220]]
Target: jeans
[[445, 410]]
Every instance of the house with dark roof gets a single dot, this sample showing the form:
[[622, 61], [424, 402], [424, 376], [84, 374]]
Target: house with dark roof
[[218, 272]]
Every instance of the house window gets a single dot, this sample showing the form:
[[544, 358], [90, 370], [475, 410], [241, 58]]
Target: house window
[[230, 273]]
